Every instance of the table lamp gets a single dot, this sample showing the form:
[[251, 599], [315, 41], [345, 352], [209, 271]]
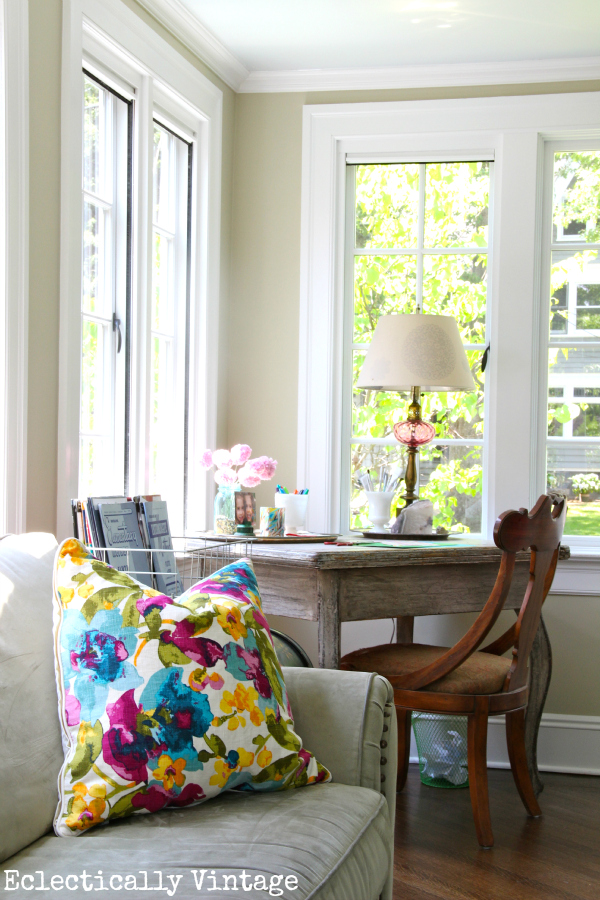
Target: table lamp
[[414, 353]]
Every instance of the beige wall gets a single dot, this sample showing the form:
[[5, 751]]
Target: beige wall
[[263, 333], [45, 26], [45, 17]]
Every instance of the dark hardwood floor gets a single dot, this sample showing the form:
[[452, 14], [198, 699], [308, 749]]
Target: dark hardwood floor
[[556, 857]]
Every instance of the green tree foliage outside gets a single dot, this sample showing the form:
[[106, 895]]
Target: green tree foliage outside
[[453, 282]]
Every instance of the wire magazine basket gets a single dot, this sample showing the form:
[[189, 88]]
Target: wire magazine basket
[[174, 571]]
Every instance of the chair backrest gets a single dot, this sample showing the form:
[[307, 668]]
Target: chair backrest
[[541, 531], [515, 530]]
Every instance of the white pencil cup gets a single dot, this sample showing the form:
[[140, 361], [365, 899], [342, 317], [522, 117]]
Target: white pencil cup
[[379, 507], [295, 511]]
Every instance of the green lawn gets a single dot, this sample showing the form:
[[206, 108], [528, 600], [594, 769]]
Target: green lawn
[[583, 518]]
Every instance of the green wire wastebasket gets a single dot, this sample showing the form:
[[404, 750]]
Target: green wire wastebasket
[[442, 745]]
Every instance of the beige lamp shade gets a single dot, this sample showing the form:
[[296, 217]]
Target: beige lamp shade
[[416, 351]]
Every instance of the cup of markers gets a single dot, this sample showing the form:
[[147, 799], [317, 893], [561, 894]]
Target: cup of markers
[[295, 506]]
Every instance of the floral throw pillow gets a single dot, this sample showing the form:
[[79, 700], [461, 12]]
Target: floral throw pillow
[[166, 702]]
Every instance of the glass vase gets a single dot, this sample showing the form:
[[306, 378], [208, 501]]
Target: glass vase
[[224, 521]]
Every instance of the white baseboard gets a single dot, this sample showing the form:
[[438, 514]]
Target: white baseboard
[[568, 744]]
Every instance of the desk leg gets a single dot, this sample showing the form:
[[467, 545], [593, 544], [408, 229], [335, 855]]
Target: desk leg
[[329, 618], [539, 682], [405, 626]]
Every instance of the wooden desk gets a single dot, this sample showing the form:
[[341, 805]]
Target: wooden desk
[[330, 585]]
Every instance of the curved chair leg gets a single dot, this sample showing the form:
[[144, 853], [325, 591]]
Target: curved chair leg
[[404, 718], [515, 740], [478, 782]]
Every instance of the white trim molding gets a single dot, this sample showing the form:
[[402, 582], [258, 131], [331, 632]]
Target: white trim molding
[[579, 575], [511, 131], [569, 744], [15, 253], [534, 71], [188, 29], [138, 61]]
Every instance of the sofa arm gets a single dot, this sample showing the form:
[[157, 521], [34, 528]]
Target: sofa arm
[[348, 720]]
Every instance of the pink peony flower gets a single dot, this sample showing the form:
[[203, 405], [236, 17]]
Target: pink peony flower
[[248, 471], [269, 468], [226, 476], [206, 460], [240, 454], [249, 479], [263, 466], [222, 459]]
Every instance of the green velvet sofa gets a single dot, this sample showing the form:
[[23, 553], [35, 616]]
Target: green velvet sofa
[[326, 842]]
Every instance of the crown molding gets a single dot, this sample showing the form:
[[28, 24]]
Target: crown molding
[[191, 32], [401, 77], [197, 38]]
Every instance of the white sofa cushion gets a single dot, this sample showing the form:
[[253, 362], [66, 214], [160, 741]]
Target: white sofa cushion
[[30, 741]]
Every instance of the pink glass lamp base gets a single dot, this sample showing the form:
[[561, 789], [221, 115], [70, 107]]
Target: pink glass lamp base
[[414, 433]]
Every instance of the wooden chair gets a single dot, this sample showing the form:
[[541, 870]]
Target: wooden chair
[[462, 681]]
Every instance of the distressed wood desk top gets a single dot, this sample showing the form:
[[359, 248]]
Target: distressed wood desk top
[[345, 584], [320, 582], [425, 553]]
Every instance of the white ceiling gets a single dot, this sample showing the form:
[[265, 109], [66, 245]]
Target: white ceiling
[[281, 35]]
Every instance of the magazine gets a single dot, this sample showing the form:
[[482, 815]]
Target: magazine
[[158, 535], [122, 535], [94, 518]]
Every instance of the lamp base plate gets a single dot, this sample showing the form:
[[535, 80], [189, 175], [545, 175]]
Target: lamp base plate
[[388, 536]]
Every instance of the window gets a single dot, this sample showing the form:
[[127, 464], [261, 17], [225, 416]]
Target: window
[[107, 351], [171, 225], [140, 266], [106, 340], [380, 142], [573, 443], [105, 289], [420, 243]]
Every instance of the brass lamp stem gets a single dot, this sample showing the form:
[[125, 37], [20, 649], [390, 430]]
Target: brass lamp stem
[[414, 410], [410, 477]]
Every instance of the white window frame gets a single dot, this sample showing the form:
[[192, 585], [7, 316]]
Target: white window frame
[[14, 262], [514, 130], [583, 544], [126, 53]]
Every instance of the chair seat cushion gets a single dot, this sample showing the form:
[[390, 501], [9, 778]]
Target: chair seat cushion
[[334, 839], [481, 673]]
